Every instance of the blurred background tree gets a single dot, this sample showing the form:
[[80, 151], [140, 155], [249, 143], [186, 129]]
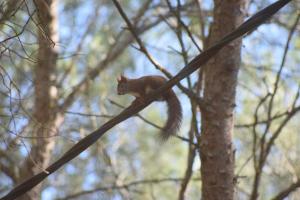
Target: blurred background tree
[[59, 60]]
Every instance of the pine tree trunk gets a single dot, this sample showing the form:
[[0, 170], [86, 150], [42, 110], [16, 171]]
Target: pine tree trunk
[[220, 79], [45, 96]]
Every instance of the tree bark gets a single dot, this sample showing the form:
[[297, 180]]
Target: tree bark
[[220, 80], [45, 100]]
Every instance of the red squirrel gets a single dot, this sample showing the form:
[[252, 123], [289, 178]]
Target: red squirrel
[[143, 86]]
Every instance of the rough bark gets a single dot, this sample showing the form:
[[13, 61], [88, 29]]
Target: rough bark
[[45, 96], [220, 80]]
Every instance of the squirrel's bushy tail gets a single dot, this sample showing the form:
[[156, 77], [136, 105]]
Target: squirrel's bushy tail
[[174, 117]]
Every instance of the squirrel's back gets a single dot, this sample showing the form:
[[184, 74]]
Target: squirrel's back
[[143, 86]]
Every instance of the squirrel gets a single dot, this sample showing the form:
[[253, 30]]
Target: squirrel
[[143, 86]]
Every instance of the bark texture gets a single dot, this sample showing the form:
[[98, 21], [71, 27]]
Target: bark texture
[[220, 80], [45, 96]]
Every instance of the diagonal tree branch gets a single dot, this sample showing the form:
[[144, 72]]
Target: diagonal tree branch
[[136, 107], [115, 50], [143, 49], [9, 172], [284, 193]]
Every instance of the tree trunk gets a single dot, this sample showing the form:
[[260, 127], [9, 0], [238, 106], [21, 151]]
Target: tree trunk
[[220, 79], [45, 96]]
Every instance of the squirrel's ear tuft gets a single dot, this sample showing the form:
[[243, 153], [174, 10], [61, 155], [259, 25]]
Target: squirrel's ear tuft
[[121, 78]]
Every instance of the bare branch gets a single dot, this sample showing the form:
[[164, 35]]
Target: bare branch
[[191, 158], [153, 61], [276, 84], [9, 172], [124, 186], [265, 146], [153, 124], [287, 191], [22, 30], [12, 7], [115, 50]]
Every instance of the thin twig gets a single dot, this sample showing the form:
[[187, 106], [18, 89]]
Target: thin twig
[[125, 186]]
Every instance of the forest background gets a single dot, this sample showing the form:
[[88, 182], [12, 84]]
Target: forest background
[[84, 46]]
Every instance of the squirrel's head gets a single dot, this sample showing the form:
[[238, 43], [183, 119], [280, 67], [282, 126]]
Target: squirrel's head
[[122, 85]]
